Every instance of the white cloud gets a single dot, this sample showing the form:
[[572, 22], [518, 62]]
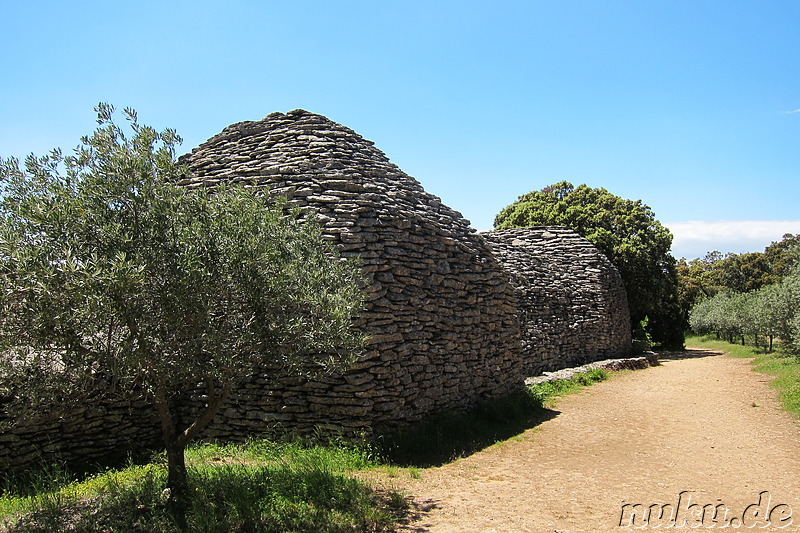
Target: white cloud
[[696, 238], [792, 111]]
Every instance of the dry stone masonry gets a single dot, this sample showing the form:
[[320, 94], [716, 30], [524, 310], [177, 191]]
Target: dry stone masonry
[[440, 310], [443, 313], [573, 308]]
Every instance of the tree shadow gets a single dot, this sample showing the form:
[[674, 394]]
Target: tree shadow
[[688, 353], [445, 438], [415, 515]]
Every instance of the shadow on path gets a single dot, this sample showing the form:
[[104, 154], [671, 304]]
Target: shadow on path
[[442, 440], [688, 353]]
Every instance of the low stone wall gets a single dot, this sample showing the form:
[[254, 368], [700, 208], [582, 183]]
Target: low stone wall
[[573, 308], [612, 365]]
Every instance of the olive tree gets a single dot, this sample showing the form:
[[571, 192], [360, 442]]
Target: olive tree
[[771, 311], [716, 314], [115, 277]]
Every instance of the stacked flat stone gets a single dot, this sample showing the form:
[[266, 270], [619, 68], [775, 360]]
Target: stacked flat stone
[[439, 309], [573, 308]]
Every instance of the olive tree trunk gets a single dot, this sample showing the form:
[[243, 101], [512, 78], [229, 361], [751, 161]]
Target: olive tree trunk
[[175, 442]]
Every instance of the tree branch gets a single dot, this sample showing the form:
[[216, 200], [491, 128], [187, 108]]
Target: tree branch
[[215, 402]]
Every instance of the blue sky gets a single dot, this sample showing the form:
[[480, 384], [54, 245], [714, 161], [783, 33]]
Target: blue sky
[[691, 106]]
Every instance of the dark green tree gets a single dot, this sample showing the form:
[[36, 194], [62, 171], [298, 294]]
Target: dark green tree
[[743, 272], [112, 273], [627, 232], [782, 256]]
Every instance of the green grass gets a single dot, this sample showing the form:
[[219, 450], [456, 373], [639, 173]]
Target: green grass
[[549, 392], [781, 364], [450, 436], [264, 486], [260, 487]]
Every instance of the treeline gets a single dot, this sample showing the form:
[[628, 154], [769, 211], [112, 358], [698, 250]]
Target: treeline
[[755, 294]]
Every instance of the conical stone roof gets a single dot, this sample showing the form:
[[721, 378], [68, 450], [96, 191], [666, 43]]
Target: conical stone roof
[[440, 309]]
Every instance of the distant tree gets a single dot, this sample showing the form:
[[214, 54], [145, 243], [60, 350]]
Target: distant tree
[[783, 256], [771, 311], [695, 280], [627, 232], [111, 273], [716, 272], [724, 314], [701, 317], [742, 272]]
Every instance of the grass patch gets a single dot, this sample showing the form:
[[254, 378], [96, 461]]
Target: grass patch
[[448, 437], [549, 391], [781, 364], [710, 342], [260, 487]]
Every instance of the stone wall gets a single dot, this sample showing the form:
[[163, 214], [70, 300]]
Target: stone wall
[[441, 311], [573, 308], [106, 430]]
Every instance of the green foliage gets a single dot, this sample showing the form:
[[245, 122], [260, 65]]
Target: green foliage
[[114, 265], [116, 278], [770, 312], [259, 487], [549, 391], [627, 232], [784, 256], [642, 340], [714, 273]]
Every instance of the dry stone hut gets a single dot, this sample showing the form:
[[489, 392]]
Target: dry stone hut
[[573, 307], [440, 310]]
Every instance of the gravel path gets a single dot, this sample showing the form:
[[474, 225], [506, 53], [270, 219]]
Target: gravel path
[[701, 429]]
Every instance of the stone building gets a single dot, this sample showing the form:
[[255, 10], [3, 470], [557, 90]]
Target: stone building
[[440, 310], [573, 308]]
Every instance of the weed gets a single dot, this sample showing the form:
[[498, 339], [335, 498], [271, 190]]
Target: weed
[[549, 391]]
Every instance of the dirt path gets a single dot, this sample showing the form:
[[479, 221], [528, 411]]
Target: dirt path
[[702, 423]]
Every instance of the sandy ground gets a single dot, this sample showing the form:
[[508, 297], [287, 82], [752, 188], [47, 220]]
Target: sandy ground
[[700, 430]]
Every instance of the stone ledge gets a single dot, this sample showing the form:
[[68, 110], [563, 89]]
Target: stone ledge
[[628, 363]]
